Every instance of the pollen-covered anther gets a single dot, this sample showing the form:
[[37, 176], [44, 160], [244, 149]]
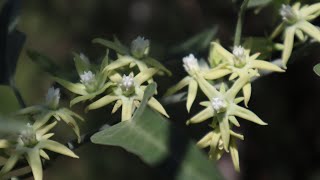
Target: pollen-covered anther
[[288, 13], [190, 63], [218, 104]]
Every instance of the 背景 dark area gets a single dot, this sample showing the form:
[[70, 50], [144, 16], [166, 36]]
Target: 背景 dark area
[[288, 148]]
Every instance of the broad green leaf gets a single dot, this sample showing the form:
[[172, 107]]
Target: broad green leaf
[[316, 69], [197, 43], [157, 142]]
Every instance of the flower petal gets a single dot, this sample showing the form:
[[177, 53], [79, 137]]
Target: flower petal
[[216, 73], [33, 158], [145, 75], [127, 108], [259, 64], [246, 93], [309, 29], [225, 130], [201, 116], [288, 45], [76, 88], [234, 154], [246, 114], [181, 84], [192, 93], [102, 102], [155, 104], [11, 162], [57, 147], [205, 140]]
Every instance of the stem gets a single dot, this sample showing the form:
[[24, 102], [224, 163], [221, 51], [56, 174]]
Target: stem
[[17, 93], [237, 35]]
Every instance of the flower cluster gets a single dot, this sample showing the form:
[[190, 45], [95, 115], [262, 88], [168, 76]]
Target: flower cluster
[[222, 106], [296, 22], [115, 79], [31, 140]]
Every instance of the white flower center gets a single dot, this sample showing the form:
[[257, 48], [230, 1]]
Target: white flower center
[[288, 13], [190, 63], [239, 56], [53, 97], [218, 104], [127, 83], [28, 136], [87, 78]]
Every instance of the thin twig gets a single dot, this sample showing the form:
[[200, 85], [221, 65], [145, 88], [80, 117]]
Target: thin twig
[[17, 93], [237, 35]]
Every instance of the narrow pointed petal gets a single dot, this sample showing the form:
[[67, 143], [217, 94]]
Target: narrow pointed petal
[[145, 75], [277, 31], [47, 136], [105, 60], [309, 29], [192, 93], [208, 89], [201, 116], [30, 110], [216, 73], [81, 64], [57, 147], [223, 52], [246, 93], [11, 162], [222, 88], [246, 114], [141, 65], [155, 104], [46, 129], [112, 45], [154, 63], [288, 45], [238, 100], [237, 135], [309, 10], [73, 114], [234, 121], [225, 131], [233, 76], [102, 102], [259, 64], [115, 77], [205, 140], [116, 106], [76, 88], [33, 158], [299, 34], [234, 154], [42, 120], [72, 123], [181, 84], [81, 98], [127, 107], [205, 103], [123, 61], [44, 154]]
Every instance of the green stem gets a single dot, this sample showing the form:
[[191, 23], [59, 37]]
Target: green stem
[[237, 36], [17, 93]]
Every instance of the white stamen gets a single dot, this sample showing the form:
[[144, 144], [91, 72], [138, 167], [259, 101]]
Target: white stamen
[[87, 78], [53, 96], [287, 13], [239, 52], [190, 63], [218, 104], [127, 82]]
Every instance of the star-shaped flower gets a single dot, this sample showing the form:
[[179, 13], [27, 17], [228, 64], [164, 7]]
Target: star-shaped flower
[[31, 145], [92, 80], [240, 64], [128, 93], [296, 22], [50, 109]]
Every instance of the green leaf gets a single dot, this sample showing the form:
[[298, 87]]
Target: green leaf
[[258, 3], [157, 142], [197, 43], [112, 45], [316, 69]]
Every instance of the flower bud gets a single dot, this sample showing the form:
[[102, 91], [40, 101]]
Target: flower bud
[[288, 14], [239, 56], [127, 85], [52, 98], [190, 63], [140, 47], [89, 80]]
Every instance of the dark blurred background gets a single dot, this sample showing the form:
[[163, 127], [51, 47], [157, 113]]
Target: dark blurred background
[[288, 148]]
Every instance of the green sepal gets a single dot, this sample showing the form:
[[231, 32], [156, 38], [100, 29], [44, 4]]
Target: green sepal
[[112, 45]]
